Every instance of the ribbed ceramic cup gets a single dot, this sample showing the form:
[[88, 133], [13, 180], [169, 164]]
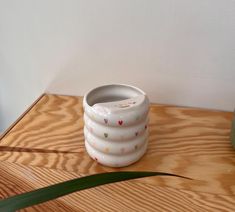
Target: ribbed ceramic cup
[[116, 119]]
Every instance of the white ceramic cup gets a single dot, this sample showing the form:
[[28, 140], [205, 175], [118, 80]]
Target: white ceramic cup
[[116, 119]]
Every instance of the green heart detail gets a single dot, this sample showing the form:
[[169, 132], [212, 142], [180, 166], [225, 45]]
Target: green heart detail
[[106, 135]]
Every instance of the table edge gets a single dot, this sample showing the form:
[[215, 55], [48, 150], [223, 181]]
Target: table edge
[[21, 116]]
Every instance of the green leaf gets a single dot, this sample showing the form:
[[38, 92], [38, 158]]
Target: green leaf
[[54, 191]]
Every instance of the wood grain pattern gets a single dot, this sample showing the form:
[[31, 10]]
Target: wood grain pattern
[[46, 146]]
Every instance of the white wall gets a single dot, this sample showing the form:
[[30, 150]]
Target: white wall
[[179, 51]]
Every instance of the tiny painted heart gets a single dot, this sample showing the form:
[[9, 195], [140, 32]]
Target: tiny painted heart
[[106, 150], [145, 127], [136, 134], [106, 121], [106, 135], [120, 122]]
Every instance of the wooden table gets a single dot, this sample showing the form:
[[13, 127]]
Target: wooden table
[[46, 146]]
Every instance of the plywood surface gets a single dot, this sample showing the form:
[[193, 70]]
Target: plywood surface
[[46, 146]]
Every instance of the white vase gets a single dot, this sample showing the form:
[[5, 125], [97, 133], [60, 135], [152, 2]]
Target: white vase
[[116, 119]]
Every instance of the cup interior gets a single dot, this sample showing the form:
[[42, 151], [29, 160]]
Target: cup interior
[[112, 93]]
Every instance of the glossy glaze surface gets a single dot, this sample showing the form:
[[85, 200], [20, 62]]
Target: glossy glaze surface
[[116, 120]]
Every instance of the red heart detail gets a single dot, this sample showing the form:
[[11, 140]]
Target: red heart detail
[[120, 122], [145, 126], [105, 121], [136, 134]]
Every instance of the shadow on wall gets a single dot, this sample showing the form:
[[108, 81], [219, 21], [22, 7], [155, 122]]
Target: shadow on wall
[[162, 88], [178, 52]]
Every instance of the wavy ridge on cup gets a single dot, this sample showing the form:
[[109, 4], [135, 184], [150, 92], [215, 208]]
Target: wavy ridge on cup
[[115, 147]]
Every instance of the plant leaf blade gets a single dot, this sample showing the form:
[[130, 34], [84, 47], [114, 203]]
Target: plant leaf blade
[[57, 190]]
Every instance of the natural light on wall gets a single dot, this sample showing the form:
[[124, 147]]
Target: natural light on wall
[[180, 52]]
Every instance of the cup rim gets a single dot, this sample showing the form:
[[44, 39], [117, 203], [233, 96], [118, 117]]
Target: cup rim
[[85, 103]]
